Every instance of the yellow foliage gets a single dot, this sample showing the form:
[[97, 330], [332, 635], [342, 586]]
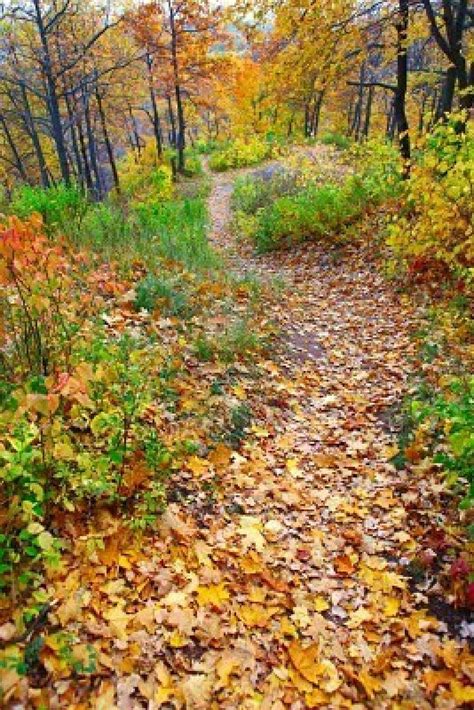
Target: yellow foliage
[[434, 235], [144, 178]]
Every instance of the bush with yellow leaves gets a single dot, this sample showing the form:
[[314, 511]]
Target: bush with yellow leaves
[[432, 239], [242, 153], [144, 179]]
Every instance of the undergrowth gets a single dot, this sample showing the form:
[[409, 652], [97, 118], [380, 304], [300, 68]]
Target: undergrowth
[[282, 209], [241, 153]]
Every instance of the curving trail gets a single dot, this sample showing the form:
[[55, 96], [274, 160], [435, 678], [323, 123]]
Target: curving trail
[[324, 616], [277, 577]]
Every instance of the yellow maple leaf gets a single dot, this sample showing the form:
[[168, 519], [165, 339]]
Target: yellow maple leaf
[[330, 679], [391, 606], [251, 563], [226, 666], [118, 621], [370, 684], [105, 697], [250, 528], [256, 615], [177, 640], [220, 456], [197, 465], [462, 693], [292, 467], [316, 698], [305, 660], [213, 595], [321, 604], [433, 678], [359, 617]]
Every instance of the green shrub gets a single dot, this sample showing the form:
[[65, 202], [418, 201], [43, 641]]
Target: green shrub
[[206, 147], [240, 154], [58, 206], [337, 139], [255, 192], [445, 420], [155, 291], [104, 228], [281, 211], [178, 231], [238, 341], [193, 166], [431, 236], [146, 180]]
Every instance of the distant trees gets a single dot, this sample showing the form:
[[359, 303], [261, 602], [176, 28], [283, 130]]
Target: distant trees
[[78, 80], [82, 82]]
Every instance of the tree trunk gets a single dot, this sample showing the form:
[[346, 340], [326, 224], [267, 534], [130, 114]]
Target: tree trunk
[[74, 139], [455, 17], [92, 146], [135, 133], [445, 105], [85, 158], [368, 112], [16, 155], [52, 96], [358, 109], [172, 136], [401, 90], [317, 114], [30, 127], [154, 106], [181, 134], [108, 144]]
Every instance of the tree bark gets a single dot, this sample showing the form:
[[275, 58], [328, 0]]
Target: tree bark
[[368, 112], [16, 155], [402, 83], [92, 146], [181, 134], [52, 95], [108, 144], [30, 127], [154, 107], [172, 136]]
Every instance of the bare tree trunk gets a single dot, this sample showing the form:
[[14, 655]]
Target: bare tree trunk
[[368, 112], [74, 139], [172, 121], [52, 95], [30, 127], [92, 146], [16, 155], [108, 144], [181, 134], [401, 90], [358, 109], [135, 134], [154, 106], [85, 158]]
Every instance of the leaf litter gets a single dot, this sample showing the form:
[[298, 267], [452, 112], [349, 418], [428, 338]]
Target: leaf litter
[[279, 577]]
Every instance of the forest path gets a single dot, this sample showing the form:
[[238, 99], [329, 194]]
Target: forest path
[[322, 615]]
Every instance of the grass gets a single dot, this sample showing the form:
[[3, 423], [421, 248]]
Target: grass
[[164, 293], [337, 139], [281, 210], [174, 229]]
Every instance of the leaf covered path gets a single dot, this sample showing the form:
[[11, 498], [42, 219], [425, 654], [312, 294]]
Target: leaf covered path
[[319, 613], [277, 577]]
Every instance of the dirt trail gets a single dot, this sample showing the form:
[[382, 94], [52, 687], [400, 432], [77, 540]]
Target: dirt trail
[[323, 512]]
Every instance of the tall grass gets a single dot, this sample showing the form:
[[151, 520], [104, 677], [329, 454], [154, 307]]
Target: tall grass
[[174, 229]]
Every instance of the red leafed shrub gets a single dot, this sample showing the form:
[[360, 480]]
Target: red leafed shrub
[[40, 298]]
